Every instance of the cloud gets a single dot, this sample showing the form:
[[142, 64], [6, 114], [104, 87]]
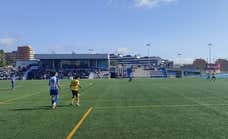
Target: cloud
[[63, 48], [6, 42], [123, 51], [183, 60], [57, 48], [152, 3]]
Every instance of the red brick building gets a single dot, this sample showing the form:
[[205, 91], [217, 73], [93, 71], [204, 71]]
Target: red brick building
[[25, 53]]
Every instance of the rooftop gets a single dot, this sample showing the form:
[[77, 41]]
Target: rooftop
[[71, 56]]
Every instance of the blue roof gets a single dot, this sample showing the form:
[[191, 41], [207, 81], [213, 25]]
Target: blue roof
[[71, 56]]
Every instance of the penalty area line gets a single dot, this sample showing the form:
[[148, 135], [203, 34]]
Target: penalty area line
[[78, 125]]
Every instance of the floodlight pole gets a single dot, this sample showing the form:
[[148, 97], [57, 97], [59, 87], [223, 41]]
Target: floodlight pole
[[179, 56], [209, 45], [78, 50], [148, 52], [91, 51]]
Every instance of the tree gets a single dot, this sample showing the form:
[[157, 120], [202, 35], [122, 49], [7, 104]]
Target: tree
[[2, 58], [200, 64], [223, 64]]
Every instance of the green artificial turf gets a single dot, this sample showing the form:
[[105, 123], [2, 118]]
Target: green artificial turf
[[144, 108]]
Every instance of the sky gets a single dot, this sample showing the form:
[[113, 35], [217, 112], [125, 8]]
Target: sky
[[117, 26]]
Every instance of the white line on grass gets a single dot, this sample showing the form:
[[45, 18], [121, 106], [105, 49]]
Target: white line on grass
[[157, 106], [18, 98]]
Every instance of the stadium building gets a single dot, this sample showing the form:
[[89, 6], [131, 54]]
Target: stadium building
[[68, 65], [93, 66], [143, 66], [140, 61], [73, 61]]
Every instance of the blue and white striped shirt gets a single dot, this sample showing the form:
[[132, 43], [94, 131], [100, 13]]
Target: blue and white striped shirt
[[53, 83]]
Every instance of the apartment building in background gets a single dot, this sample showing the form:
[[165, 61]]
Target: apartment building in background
[[25, 53], [11, 57]]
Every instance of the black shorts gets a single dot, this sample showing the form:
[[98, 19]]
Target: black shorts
[[75, 93]]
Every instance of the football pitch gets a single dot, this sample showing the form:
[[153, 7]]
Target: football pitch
[[117, 109]]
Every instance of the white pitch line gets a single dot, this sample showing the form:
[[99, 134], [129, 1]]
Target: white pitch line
[[158, 106], [18, 98]]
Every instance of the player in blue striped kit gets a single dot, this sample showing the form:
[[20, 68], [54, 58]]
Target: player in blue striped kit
[[54, 89], [13, 82]]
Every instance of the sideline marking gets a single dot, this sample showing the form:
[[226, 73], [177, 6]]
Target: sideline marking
[[3, 103], [18, 98], [157, 106], [75, 129]]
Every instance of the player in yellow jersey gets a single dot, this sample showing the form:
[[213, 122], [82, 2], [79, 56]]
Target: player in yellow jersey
[[213, 78], [74, 86]]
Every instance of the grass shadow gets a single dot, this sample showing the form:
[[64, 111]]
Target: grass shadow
[[5, 89], [38, 108]]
